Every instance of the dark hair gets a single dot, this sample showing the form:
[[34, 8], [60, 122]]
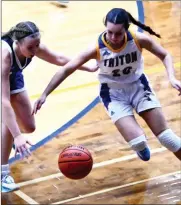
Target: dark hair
[[120, 16], [22, 30]]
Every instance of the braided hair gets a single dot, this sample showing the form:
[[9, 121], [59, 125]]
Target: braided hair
[[121, 16], [22, 30]]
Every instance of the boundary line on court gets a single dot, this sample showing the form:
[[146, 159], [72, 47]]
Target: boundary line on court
[[25, 197], [116, 187], [59, 130], [97, 165], [141, 13], [29, 200]]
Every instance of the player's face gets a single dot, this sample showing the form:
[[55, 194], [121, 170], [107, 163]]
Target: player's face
[[115, 33], [29, 46]]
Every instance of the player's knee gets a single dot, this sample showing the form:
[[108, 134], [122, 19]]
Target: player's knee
[[170, 140], [139, 145], [29, 128]]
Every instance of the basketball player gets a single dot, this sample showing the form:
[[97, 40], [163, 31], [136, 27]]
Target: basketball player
[[19, 45], [123, 84]]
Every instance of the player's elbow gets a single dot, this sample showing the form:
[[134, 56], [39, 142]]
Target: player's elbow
[[62, 60], [165, 56]]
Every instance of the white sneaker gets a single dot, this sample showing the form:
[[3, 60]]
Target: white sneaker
[[8, 184]]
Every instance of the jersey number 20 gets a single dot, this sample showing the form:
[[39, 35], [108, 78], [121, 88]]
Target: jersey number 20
[[125, 71]]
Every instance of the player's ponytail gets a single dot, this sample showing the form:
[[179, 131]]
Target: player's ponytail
[[121, 16], [143, 26]]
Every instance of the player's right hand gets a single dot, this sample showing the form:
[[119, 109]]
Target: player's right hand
[[38, 104], [21, 146], [176, 84]]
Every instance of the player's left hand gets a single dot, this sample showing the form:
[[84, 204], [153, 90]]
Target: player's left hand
[[176, 84], [38, 104]]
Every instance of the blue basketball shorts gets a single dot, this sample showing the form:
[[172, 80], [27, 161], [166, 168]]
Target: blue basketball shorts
[[16, 82]]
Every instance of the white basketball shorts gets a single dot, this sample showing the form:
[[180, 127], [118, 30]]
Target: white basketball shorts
[[121, 100]]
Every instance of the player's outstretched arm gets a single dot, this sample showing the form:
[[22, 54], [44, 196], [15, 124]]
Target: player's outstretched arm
[[149, 44], [59, 59], [63, 73]]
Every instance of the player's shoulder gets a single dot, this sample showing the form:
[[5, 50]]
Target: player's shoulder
[[134, 35], [142, 36], [6, 61], [5, 49], [6, 52]]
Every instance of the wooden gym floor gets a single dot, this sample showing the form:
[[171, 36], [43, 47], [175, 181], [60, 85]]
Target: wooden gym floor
[[118, 176]]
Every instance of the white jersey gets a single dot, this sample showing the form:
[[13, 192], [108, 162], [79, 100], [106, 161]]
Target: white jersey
[[124, 65]]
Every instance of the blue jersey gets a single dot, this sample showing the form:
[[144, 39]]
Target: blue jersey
[[16, 77]]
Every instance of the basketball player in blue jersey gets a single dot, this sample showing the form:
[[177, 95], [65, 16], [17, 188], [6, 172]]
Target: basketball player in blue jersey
[[19, 46], [123, 84]]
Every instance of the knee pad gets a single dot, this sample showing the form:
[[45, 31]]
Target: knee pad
[[140, 146], [170, 140], [139, 143]]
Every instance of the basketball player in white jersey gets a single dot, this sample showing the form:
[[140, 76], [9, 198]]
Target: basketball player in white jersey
[[19, 45], [123, 84]]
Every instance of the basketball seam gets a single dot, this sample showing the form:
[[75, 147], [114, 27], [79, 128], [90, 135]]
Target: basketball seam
[[79, 150], [76, 161]]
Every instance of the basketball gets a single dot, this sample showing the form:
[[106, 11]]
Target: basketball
[[75, 162]]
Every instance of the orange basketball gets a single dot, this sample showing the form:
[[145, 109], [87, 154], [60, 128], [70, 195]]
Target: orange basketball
[[75, 162]]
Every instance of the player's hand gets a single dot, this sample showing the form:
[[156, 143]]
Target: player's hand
[[176, 84], [21, 146], [38, 104], [90, 67], [93, 68]]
